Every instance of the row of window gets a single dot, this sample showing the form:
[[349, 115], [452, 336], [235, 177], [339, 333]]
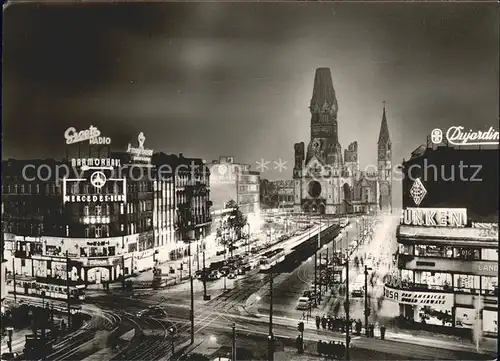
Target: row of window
[[448, 281], [462, 253]]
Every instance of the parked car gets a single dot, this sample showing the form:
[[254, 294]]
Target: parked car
[[231, 276], [10, 356]]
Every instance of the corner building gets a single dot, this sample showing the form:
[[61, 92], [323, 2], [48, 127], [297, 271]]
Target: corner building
[[327, 181], [103, 214], [447, 262]]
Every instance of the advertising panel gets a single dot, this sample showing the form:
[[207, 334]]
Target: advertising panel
[[490, 321], [444, 300]]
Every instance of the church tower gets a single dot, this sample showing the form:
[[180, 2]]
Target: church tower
[[385, 165], [324, 144]]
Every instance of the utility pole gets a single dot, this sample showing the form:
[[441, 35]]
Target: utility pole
[[14, 277], [366, 297], [67, 291], [204, 275], [346, 306], [326, 272], [191, 313], [123, 272], [270, 347], [234, 343]]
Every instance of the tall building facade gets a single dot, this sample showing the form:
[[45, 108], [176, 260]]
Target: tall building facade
[[447, 262], [327, 181], [232, 181], [110, 214]]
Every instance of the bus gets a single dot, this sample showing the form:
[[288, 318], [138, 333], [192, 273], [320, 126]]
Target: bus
[[271, 258], [51, 289]]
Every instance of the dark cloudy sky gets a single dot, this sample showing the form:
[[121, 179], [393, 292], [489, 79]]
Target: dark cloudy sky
[[210, 79]]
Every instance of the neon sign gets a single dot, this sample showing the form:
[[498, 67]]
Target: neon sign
[[93, 135], [140, 154], [434, 217]]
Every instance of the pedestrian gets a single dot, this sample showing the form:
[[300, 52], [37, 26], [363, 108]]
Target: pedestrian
[[382, 332], [318, 321], [323, 322]]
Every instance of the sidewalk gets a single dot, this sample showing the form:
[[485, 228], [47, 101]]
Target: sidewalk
[[412, 337], [18, 340]]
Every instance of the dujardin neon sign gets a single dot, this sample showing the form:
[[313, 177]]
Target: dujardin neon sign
[[92, 135]]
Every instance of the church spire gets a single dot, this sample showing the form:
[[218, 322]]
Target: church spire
[[384, 137], [323, 90]]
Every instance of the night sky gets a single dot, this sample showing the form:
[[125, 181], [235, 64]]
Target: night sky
[[210, 79]]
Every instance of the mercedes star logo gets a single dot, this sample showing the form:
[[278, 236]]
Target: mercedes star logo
[[98, 179]]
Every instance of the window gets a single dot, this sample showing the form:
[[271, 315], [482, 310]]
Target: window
[[22, 189], [122, 208], [489, 254], [466, 253], [407, 275], [433, 251], [87, 232], [98, 211], [406, 249], [86, 210], [122, 227], [98, 231], [467, 283], [489, 285]]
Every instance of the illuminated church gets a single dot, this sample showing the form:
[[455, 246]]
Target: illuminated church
[[329, 182]]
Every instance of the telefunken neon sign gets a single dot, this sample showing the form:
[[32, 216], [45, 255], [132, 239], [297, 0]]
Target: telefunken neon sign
[[434, 217], [93, 135]]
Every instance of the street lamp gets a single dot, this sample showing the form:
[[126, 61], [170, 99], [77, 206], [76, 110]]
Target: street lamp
[[367, 308]]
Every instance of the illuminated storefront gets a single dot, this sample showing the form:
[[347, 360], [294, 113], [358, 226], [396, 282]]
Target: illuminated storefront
[[447, 259]]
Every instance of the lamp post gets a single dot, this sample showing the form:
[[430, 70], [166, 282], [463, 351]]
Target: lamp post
[[68, 299], [367, 308], [270, 347], [234, 343], [346, 308], [248, 237], [191, 312]]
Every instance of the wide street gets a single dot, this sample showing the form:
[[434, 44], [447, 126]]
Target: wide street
[[245, 302]]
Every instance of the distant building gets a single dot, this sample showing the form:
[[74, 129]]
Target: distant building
[[277, 194], [326, 182], [232, 181], [447, 261]]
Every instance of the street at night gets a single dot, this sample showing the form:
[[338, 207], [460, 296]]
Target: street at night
[[233, 181]]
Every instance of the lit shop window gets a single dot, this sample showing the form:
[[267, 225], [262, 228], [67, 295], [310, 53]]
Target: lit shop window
[[467, 254], [489, 254], [407, 275], [433, 251], [467, 283], [67, 231], [122, 208], [489, 285], [406, 249]]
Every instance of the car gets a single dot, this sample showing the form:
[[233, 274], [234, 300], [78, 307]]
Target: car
[[246, 267], [357, 293], [303, 303], [10, 356], [214, 275], [231, 275], [241, 272]]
